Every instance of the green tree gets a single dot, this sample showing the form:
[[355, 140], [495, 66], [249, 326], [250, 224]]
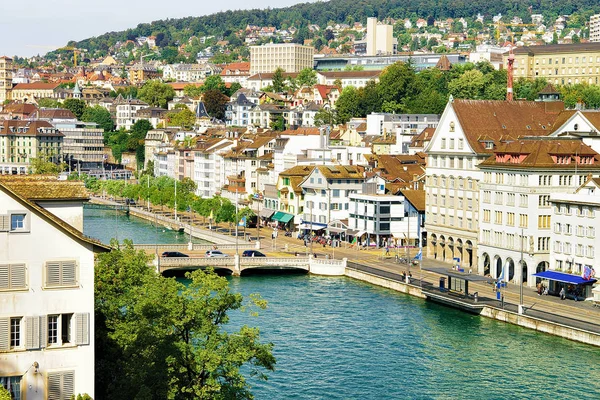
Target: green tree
[[156, 93], [215, 102], [99, 115], [214, 82], [183, 118], [347, 105], [576, 39], [39, 166], [4, 394], [325, 116], [48, 103], [469, 85], [76, 106], [278, 80], [396, 83], [192, 90], [306, 77], [278, 124], [176, 332], [235, 86]]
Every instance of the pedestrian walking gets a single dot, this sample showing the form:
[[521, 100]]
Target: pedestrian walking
[[387, 250], [562, 294]]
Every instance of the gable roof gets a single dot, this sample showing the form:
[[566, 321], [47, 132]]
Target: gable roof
[[48, 216], [498, 120]]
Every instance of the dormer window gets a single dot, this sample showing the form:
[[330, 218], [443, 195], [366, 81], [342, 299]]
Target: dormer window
[[488, 144]]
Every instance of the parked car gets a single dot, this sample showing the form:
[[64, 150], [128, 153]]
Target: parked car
[[215, 253], [173, 254], [130, 202], [252, 253]]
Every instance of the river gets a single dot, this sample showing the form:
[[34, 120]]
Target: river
[[337, 338]]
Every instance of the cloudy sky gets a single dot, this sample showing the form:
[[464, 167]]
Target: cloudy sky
[[44, 25]]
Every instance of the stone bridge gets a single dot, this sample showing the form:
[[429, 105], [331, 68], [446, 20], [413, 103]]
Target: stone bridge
[[238, 264]]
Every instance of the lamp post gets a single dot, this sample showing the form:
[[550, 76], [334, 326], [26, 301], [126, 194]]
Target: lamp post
[[521, 283]]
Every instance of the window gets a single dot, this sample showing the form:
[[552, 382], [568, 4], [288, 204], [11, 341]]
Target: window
[[543, 221], [498, 217], [510, 219], [486, 215], [13, 277], [336, 192], [53, 329], [13, 385], [15, 332], [523, 220], [19, 222], [61, 385], [61, 273]]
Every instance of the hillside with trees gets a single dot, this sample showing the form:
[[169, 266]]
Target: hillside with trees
[[173, 32]]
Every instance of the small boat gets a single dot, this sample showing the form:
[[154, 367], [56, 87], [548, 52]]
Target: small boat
[[181, 230]]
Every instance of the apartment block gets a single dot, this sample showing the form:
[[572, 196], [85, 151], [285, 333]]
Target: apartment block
[[291, 57]]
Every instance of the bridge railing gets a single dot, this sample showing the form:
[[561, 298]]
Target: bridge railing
[[196, 261], [184, 247], [325, 261], [276, 261]]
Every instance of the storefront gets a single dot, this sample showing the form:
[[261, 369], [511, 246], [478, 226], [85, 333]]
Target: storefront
[[283, 220], [575, 286]]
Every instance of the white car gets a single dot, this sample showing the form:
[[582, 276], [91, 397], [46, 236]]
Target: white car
[[215, 253]]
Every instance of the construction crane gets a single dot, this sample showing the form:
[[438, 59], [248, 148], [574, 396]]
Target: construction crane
[[75, 52], [502, 26]]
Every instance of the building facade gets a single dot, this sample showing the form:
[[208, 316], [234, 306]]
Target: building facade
[[6, 78], [560, 64], [291, 57], [47, 317], [595, 28]]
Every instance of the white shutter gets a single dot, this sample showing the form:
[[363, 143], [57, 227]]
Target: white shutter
[[4, 334], [68, 385], [4, 224], [4, 277], [53, 273], [54, 386], [61, 385], [43, 335], [82, 324], [32, 336], [69, 272], [18, 276]]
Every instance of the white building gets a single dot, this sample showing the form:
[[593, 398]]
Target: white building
[[467, 134], [326, 193], [126, 110], [291, 57], [383, 217], [380, 38], [514, 208], [209, 167], [595, 28], [188, 72], [47, 312]]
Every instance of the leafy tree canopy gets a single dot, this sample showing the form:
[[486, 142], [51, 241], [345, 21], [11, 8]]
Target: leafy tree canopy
[[156, 93], [76, 106], [99, 115]]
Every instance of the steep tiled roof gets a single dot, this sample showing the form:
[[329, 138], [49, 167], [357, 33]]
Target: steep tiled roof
[[51, 218], [42, 187], [496, 120], [416, 198], [420, 139], [36, 86], [19, 108], [342, 171], [543, 153], [301, 131], [20, 127]]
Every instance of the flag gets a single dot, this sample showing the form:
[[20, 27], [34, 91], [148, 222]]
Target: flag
[[242, 222], [419, 255], [354, 240], [587, 273], [501, 277]]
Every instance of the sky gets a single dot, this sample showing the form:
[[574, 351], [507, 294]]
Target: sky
[[44, 25]]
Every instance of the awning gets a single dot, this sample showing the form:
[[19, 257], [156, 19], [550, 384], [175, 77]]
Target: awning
[[459, 275], [358, 234], [282, 217], [562, 277], [266, 213], [315, 226], [335, 229]]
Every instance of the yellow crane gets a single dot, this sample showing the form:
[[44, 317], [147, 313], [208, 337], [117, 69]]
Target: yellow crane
[[75, 52], [502, 26]]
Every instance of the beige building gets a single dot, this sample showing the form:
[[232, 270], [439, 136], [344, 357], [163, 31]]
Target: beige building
[[37, 90], [22, 141], [140, 73], [595, 28], [291, 57], [380, 38], [6, 71], [560, 64]]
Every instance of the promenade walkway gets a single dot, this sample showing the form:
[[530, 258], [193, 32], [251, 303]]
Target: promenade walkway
[[580, 314]]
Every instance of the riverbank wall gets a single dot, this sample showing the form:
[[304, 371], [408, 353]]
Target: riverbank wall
[[398, 283]]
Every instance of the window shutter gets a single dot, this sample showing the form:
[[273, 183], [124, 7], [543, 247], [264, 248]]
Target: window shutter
[[4, 277], [4, 334], [32, 327], [18, 276], [54, 389], [43, 336], [82, 335], [61, 385], [4, 225], [53, 273], [69, 273]]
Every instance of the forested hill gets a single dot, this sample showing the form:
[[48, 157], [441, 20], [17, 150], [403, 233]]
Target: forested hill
[[321, 13]]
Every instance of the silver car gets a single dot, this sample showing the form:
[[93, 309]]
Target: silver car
[[215, 253]]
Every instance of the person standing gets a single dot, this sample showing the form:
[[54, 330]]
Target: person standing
[[562, 293]]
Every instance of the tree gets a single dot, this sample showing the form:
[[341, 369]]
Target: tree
[[235, 86], [215, 102], [192, 90], [469, 85], [99, 115], [278, 80], [156, 93], [396, 83], [214, 82], [347, 105], [39, 166], [306, 77], [278, 124], [183, 118], [176, 332], [76, 106], [48, 103]]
